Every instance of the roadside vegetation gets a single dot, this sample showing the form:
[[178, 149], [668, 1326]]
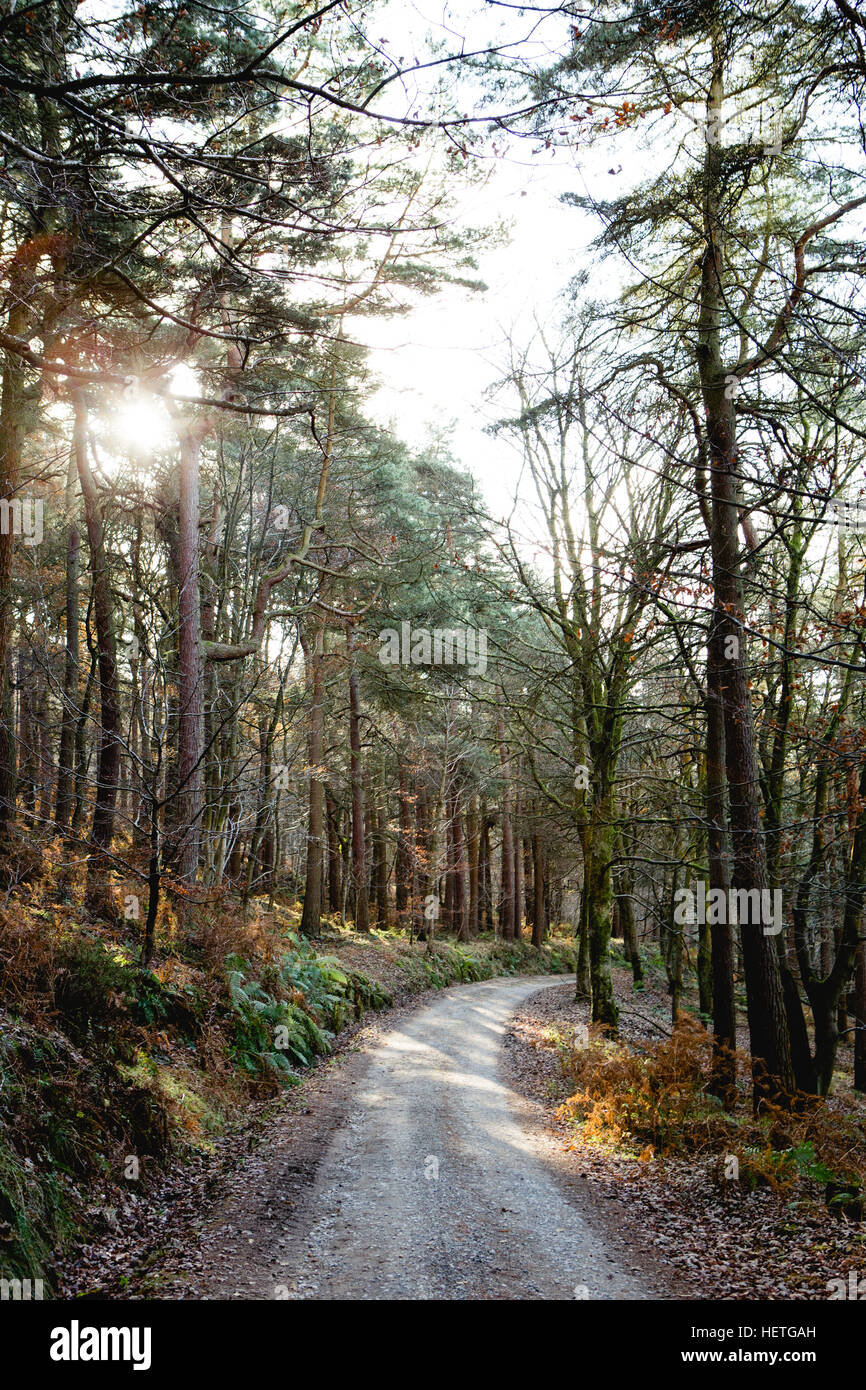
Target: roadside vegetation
[[112, 1072]]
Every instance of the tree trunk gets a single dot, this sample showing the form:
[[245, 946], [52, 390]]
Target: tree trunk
[[860, 1018], [485, 871], [420, 863], [190, 694], [46, 765], [507, 923], [772, 1067], [461, 916], [583, 989], [625, 900], [472, 849], [539, 924], [359, 857], [724, 1064], [597, 888], [517, 852], [380, 849], [66, 755], [26, 769], [311, 919], [403, 861], [334, 876], [12, 408], [593, 964], [108, 763], [153, 882], [824, 996]]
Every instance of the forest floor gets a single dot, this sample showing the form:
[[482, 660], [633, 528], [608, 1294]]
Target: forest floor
[[430, 1156], [714, 1239]]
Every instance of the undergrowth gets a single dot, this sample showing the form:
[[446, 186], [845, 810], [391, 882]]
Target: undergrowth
[[109, 1071], [292, 1014], [658, 1103], [461, 964]]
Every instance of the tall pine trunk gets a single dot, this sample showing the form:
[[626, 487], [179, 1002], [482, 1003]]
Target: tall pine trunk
[[108, 762], [403, 860], [724, 1065], [12, 408], [772, 1066], [359, 854], [506, 921], [312, 914], [66, 756], [539, 921], [472, 851], [190, 693]]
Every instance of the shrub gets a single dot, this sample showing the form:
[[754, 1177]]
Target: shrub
[[660, 1100], [89, 985], [97, 991]]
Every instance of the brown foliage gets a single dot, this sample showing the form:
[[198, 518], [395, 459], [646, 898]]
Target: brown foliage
[[661, 1100], [26, 964]]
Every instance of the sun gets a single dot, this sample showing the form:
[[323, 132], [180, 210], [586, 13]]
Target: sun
[[142, 425], [138, 425]]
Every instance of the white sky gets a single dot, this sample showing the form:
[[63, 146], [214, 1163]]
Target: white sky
[[436, 362]]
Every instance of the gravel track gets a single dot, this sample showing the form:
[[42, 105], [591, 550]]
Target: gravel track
[[433, 1189]]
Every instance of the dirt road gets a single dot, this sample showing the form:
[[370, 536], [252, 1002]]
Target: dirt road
[[433, 1189], [409, 1169]]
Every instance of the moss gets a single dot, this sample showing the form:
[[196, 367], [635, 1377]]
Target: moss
[[450, 964], [201, 1119], [175, 1089], [36, 1216], [66, 1121]]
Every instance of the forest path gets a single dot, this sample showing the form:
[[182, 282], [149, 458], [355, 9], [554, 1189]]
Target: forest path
[[432, 1188]]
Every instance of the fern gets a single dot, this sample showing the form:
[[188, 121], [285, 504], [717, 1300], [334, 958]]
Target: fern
[[295, 1010]]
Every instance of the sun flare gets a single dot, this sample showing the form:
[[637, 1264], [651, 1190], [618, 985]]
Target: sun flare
[[142, 425]]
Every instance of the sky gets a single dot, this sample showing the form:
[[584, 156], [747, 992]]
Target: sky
[[437, 362]]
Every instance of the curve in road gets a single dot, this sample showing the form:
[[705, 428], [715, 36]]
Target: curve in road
[[434, 1190]]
